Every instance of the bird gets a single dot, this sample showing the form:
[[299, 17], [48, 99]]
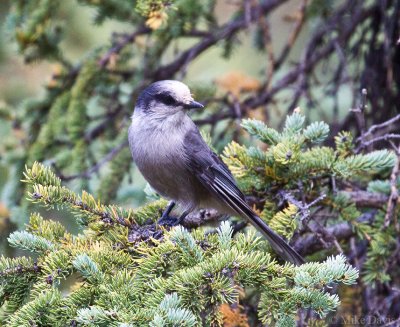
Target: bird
[[173, 157]]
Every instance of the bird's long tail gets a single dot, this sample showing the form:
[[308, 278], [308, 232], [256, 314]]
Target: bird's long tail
[[279, 245], [239, 205]]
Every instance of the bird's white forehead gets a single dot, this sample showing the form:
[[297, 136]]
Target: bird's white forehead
[[178, 89]]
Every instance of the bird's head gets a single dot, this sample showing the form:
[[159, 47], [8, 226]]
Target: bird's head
[[166, 98]]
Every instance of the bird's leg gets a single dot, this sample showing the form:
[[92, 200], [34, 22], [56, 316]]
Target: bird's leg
[[171, 221], [165, 218], [182, 217], [168, 210]]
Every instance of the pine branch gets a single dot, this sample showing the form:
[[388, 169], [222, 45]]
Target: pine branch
[[129, 38]]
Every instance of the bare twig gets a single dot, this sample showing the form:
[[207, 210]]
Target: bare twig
[[316, 55], [385, 137], [303, 207], [95, 168], [394, 193], [129, 38], [367, 199], [310, 244], [293, 36], [392, 322], [225, 32], [201, 217], [360, 111], [376, 127]]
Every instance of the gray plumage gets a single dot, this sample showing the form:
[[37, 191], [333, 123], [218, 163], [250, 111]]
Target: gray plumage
[[175, 160]]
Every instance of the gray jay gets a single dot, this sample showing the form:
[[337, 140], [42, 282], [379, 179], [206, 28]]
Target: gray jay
[[172, 156]]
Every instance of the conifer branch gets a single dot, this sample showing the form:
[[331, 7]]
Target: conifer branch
[[319, 189], [129, 38]]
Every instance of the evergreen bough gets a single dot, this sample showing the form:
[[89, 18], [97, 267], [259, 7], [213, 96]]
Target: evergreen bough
[[122, 267], [179, 279], [126, 270]]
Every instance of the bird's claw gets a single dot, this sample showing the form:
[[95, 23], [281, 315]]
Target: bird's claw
[[168, 221]]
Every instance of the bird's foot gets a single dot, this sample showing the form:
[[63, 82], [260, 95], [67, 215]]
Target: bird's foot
[[168, 221]]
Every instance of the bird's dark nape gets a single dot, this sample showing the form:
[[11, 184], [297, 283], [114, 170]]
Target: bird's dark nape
[[147, 96]]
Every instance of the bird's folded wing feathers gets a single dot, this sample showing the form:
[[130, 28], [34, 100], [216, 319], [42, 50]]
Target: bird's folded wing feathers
[[212, 172]]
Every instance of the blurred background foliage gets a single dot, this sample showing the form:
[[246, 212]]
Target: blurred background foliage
[[70, 72], [282, 54], [26, 80]]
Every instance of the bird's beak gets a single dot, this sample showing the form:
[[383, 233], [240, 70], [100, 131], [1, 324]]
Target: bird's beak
[[193, 105]]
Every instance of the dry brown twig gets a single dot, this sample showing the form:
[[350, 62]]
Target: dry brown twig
[[394, 192]]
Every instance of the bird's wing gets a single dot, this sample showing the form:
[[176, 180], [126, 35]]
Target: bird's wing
[[215, 176], [208, 167]]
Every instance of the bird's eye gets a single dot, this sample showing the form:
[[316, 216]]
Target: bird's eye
[[166, 99]]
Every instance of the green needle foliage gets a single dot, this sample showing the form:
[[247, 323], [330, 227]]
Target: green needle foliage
[[179, 278], [296, 160], [296, 155], [125, 270], [128, 271], [326, 194]]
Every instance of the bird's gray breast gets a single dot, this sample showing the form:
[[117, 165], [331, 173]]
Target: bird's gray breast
[[159, 154]]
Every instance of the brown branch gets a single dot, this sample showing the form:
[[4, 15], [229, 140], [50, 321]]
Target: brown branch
[[19, 270], [117, 48], [313, 54], [103, 215], [224, 33], [293, 36], [385, 137], [360, 111], [376, 127], [270, 69], [95, 168], [394, 193], [310, 244], [102, 126], [367, 199], [201, 217], [303, 207]]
